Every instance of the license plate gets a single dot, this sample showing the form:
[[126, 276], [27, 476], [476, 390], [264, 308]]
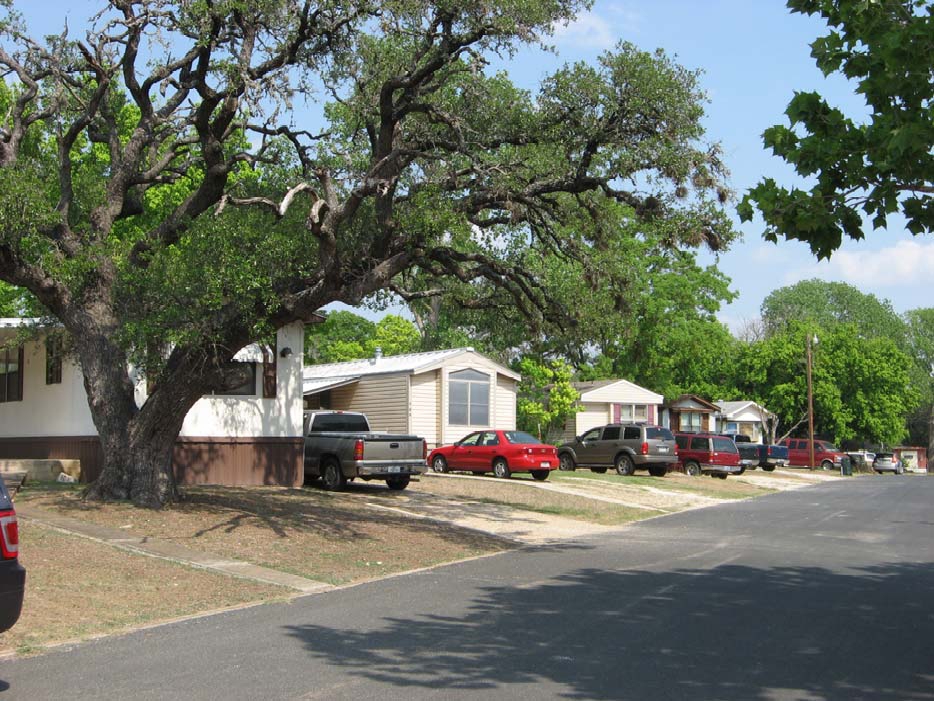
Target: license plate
[[663, 449], [546, 464], [395, 468]]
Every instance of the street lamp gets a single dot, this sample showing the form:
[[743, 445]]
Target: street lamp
[[810, 402]]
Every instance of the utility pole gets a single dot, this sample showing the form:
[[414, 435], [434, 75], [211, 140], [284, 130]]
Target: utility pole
[[810, 404]]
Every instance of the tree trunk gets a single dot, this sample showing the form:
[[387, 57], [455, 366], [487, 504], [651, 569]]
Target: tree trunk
[[137, 443]]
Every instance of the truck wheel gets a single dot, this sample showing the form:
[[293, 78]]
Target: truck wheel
[[540, 475], [332, 479], [439, 464], [769, 468], [692, 468], [398, 483], [566, 463], [658, 470], [501, 468], [624, 465], [826, 465]]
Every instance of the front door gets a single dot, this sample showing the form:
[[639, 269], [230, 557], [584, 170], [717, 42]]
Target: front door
[[588, 447]]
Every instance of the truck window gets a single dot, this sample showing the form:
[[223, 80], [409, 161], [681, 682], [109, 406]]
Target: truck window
[[611, 433], [631, 432], [658, 432], [343, 423]]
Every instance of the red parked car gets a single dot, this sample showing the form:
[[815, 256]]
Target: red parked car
[[703, 453], [499, 452], [12, 574]]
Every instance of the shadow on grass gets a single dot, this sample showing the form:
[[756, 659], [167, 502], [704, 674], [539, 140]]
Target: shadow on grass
[[280, 510], [733, 632]]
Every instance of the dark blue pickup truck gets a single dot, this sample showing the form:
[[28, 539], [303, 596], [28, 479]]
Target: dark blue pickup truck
[[768, 457]]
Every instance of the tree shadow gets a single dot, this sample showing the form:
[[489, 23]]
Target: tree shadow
[[732, 632]]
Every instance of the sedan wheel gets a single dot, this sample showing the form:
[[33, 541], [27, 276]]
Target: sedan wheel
[[439, 464], [501, 469], [624, 465]]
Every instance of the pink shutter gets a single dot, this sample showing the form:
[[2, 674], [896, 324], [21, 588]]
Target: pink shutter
[[651, 413], [616, 413]]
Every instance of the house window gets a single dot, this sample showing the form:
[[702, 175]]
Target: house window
[[53, 360], [248, 386], [633, 412], [11, 374], [469, 398], [691, 421]]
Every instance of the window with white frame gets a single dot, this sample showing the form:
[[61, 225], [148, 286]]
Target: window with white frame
[[633, 412], [691, 421], [11, 374], [469, 398]]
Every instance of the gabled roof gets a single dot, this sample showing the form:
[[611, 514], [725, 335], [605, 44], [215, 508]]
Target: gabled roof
[[729, 409], [407, 363], [615, 391], [685, 400]]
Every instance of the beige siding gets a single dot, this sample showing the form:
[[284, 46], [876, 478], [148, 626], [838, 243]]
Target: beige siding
[[425, 409], [505, 416], [592, 415], [383, 398], [623, 392]]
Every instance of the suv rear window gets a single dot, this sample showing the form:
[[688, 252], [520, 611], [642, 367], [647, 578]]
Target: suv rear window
[[658, 432], [346, 423], [724, 445]]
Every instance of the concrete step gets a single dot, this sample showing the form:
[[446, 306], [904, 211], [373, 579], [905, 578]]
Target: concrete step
[[46, 470]]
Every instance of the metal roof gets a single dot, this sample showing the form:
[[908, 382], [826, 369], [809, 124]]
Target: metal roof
[[320, 384], [411, 363]]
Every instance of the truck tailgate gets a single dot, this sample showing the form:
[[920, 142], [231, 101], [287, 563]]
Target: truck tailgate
[[391, 448]]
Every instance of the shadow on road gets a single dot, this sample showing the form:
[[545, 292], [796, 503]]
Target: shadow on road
[[733, 632]]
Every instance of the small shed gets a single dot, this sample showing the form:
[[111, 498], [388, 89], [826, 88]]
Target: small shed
[[914, 458], [439, 395], [611, 401], [691, 414]]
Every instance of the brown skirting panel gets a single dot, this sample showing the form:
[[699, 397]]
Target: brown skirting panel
[[229, 461]]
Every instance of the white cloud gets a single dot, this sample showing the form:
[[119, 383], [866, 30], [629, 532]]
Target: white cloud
[[906, 264], [588, 31]]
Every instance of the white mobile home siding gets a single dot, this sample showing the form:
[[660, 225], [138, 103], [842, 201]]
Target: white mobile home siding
[[383, 398], [426, 407], [505, 403]]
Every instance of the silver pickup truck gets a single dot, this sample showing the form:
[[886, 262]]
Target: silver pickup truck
[[339, 446]]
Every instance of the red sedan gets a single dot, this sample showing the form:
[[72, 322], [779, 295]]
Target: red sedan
[[499, 452]]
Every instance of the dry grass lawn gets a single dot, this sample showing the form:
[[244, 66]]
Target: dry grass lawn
[[77, 588], [519, 496], [308, 532], [730, 488]]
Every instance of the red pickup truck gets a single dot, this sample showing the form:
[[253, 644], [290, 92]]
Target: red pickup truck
[[826, 455]]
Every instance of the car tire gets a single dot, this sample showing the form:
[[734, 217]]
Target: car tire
[[439, 464], [540, 475], [769, 468], [566, 463], [623, 465], [826, 465], [501, 468], [658, 470], [397, 484], [692, 468], [332, 477]]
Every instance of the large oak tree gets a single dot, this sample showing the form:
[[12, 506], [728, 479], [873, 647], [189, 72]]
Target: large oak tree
[[189, 176]]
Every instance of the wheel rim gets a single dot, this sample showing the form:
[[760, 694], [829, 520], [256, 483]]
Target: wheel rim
[[624, 466], [439, 464], [499, 468], [564, 462], [331, 475], [693, 469]]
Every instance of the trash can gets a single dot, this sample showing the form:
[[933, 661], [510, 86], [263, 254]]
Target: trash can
[[846, 466]]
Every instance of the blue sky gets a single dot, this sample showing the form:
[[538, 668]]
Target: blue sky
[[754, 55]]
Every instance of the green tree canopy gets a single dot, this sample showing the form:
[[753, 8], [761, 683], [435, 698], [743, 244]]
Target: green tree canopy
[[164, 201], [828, 304], [857, 167]]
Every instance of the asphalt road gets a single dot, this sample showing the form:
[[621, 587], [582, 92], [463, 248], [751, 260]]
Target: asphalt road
[[820, 593]]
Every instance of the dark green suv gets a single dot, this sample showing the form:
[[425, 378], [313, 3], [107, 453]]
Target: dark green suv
[[624, 447]]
